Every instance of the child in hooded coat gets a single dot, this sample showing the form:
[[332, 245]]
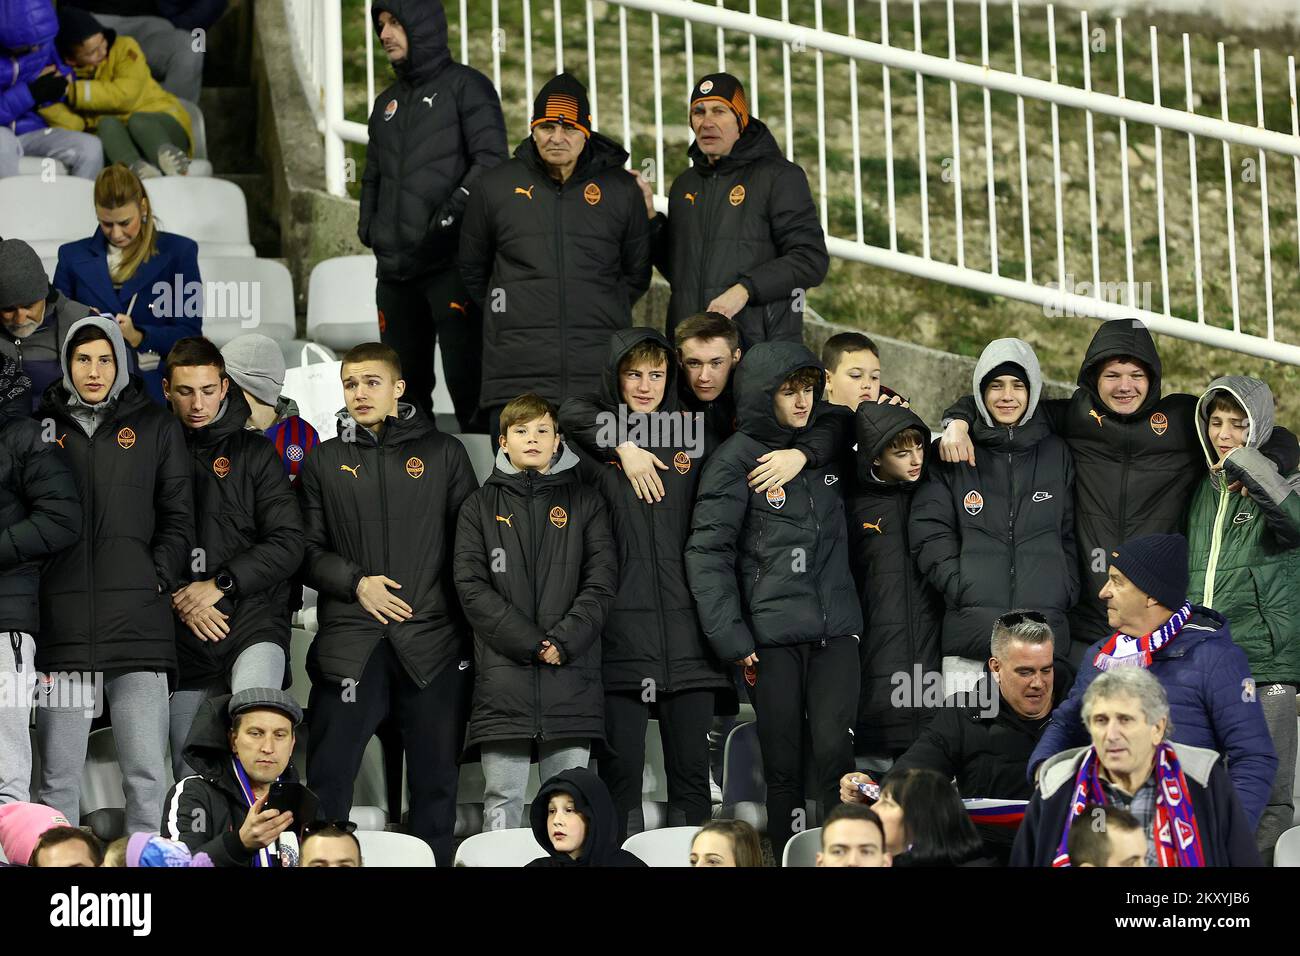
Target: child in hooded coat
[[591, 799]]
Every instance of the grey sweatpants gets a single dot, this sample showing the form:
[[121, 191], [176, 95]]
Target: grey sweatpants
[[1278, 701], [505, 772], [258, 665], [82, 153], [168, 50], [138, 700], [16, 652]]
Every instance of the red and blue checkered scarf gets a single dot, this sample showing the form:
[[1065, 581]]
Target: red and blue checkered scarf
[[1178, 839]]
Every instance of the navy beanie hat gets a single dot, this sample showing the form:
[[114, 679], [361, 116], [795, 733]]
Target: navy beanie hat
[[1157, 566]]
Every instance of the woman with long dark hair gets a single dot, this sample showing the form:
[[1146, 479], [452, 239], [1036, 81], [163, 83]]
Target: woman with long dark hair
[[926, 823]]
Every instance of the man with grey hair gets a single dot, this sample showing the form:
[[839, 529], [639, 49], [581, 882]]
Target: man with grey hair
[[981, 738], [1189, 649], [1181, 796]]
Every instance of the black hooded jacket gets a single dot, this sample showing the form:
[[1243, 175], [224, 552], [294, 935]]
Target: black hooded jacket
[[535, 562], [433, 133], [653, 632], [385, 504], [106, 600], [590, 798], [748, 219], [40, 512], [901, 613], [555, 267], [205, 810], [1000, 535], [249, 526], [1134, 473], [769, 570]]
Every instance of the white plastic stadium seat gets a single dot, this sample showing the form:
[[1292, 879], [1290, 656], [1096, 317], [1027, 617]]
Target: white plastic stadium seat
[[212, 212], [199, 165], [1287, 851], [370, 790], [46, 214], [35, 166], [244, 295], [509, 848], [49, 264], [802, 848], [299, 643], [670, 846], [482, 455], [341, 309], [381, 848]]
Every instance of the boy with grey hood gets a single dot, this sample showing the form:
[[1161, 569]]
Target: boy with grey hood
[[1000, 535], [106, 600]]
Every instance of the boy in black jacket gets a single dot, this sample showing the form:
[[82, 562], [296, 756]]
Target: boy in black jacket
[[380, 502], [537, 572], [232, 619], [655, 654], [106, 600], [770, 575], [901, 613]]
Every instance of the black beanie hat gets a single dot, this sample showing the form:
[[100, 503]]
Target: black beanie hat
[[563, 100], [1006, 368], [1157, 566], [75, 26], [724, 88]]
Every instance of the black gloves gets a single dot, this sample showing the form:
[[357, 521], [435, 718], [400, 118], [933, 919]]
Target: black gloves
[[48, 88]]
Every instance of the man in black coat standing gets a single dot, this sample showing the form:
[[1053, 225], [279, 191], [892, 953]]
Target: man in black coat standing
[[232, 617], [40, 512], [556, 249], [742, 236], [380, 503], [433, 133]]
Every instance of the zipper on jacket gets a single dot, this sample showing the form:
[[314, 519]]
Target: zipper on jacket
[[89, 541], [817, 530], [907, 604], [1216, 541], [383, 504], [758, 550], [532, 580], [1011, 522], [659, 615], [559, 272], [706, 243], [1126, 458]]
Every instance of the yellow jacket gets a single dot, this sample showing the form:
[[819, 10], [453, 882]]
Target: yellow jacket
[[119, 86]]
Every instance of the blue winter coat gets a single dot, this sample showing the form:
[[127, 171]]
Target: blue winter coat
[[82, 274], [1211, 703], [25, 23]]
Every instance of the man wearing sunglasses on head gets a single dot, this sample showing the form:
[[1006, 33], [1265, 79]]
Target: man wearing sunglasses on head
[[984, 738], [330, 843]]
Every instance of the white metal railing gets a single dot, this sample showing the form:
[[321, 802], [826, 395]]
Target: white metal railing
[[318, 30]]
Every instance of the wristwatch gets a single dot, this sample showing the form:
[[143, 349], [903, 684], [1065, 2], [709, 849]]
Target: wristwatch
[[225, 583]]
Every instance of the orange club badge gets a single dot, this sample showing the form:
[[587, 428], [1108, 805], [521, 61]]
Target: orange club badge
[[737, 195], [1159, 423], [559, 517], [126, 437], [682, 462], [414, 467], [591, 194], [221, 467], [776, 498], [973, 502]]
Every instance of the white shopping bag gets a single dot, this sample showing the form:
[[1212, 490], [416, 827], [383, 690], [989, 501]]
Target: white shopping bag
[[317, 388]]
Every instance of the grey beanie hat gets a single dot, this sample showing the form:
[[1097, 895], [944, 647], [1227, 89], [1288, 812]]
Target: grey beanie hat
[[22, 276], [265, 698], [256, 364]]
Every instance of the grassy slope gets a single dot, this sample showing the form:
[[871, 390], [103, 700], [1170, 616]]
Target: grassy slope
[[932, 313]]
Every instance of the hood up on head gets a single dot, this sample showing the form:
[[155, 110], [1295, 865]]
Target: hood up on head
[[591, 798], [996, 353], [1251, 394], [1121, 338], [425, 23], [758, 377], [109, 325]]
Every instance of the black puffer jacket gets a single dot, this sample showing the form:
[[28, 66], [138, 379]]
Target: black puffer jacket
[[590, 798], [205, 811], [534, 562], [106, 601], [433, 133], [40, 512], [770, 570], [1000, 535], [747, 219], [556, 269], [385, 505], [653, 632], [901, 613], [1134, 473], [248, 524]]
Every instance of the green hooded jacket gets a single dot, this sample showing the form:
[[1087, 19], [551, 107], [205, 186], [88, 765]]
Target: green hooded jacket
[[1243, 555]]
